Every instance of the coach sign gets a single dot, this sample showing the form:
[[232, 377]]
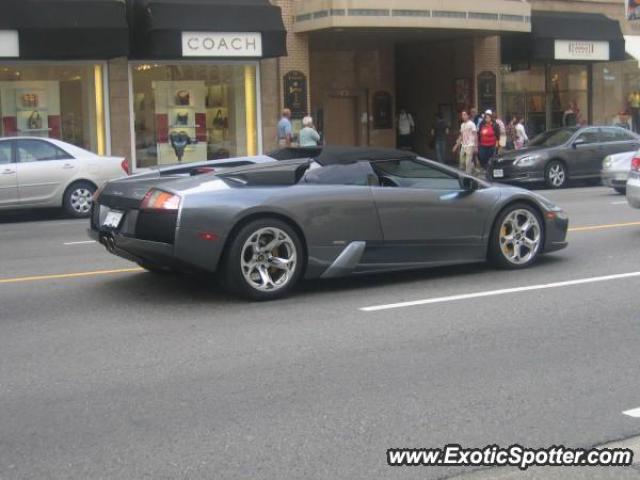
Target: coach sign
[[221, 44], [581, 50]]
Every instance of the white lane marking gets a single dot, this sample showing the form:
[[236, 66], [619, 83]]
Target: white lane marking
[[505, 291], [620, 203], [80, 243], [635, 413]]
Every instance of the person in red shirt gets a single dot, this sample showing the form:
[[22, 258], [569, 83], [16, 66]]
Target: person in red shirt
[[488, 139]]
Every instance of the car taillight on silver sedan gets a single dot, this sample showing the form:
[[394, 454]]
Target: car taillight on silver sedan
[[160, 200], [635, 164]]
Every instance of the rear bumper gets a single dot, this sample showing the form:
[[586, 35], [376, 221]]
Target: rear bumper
[[614, 179], [135, 250]]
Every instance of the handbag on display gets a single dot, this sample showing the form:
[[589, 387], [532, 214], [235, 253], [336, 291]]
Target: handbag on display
[[220, 122], [183, 97], [182, 119], [34, 122]]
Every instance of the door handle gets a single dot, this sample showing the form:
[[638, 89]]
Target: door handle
[[68, 166], [8, 171]]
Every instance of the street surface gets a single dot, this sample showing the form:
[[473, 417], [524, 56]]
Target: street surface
[[122, 374]]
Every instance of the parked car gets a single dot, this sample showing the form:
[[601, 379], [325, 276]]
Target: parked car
[[44, 172], [346, 211], [615, 171], [633, 183], [558, 155]]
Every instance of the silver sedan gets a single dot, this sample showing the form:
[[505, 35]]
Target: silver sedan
[[615, 170], [633, 184]]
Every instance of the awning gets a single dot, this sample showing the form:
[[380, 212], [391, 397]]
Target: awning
[[566, 36], [67, 29], [160, 27]]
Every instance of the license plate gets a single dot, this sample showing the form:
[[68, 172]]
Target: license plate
[[113, 219], [498, 173]]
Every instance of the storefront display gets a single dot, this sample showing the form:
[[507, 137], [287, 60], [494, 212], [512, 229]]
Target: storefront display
[[194, 112], [63, 101]]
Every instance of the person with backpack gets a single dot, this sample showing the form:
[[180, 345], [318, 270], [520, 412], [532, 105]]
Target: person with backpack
[[488, 139]]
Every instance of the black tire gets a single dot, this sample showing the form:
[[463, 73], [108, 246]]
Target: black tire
[[153, 268], [498, 255], [556, 174], [621, 190], [77, 199], [234, 279]]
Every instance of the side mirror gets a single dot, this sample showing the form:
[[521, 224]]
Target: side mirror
[[468, 184], [578, 142]]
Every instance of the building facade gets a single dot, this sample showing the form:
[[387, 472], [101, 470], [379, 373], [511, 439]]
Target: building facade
[[135, 78]]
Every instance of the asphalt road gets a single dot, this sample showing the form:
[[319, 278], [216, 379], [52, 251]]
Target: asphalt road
[[126, 375]]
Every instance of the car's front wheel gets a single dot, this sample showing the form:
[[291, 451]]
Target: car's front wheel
[[77, 199], [264, 260], [517, 237], [621, 190], [555, 174]]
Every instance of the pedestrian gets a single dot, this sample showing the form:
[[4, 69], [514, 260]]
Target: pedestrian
[[467, 143], [476, 117], [285, 131], [439, 132], [488, 139], [502, 142], [521, 134], [511, 133], [309, 137], [406, 128], [571, 116]]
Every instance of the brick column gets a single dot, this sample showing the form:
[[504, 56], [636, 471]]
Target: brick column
[[487, 58]]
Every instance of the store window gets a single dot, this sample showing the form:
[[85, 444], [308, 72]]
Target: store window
[[616, 94], [569, 95], [189, 113], [63, 101], [524, 96]]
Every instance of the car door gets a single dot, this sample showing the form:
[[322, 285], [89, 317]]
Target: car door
[[617, 140], [585, 149], [43, 169], [426, 217], [8, 176]]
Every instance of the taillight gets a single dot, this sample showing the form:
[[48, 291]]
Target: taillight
[[635, 164], [160, 200], [125, 166]]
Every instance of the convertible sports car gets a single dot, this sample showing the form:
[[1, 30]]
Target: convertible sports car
[[340, 211]]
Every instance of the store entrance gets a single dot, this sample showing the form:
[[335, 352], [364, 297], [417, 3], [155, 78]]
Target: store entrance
[[531, 107]]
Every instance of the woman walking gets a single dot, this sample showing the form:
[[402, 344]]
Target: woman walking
[[488, 139], [309, 137], [521, 135]]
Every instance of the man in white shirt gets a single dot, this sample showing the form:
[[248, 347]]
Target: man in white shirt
[[406, 127], [467, 143]]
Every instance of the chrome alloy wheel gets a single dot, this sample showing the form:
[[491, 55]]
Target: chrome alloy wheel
[[557, 175], [520, 236], [268, 259], [81, 199]]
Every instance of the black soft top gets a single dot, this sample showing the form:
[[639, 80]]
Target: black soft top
[[333, 155]]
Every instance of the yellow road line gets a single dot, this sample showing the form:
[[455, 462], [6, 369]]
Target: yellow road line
[[589, 228], [68, 275]]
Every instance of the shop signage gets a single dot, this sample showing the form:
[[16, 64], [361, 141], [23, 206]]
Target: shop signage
[[295, 93], [581, 50], [9, 44], [221, 44], [487, 98]]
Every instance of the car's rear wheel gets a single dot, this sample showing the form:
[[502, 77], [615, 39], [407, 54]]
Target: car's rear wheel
[[265, 260], [556, 174], [517, 237], [621, 190], [77, 199]]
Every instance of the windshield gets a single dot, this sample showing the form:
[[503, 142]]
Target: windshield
[[553, 138]]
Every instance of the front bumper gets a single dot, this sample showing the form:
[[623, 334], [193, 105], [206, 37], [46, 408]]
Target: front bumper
[[633, 190], [556, 232], [512, 174]]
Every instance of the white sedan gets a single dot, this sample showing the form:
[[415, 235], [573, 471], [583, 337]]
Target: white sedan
[[633, 184], [42, 172]]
